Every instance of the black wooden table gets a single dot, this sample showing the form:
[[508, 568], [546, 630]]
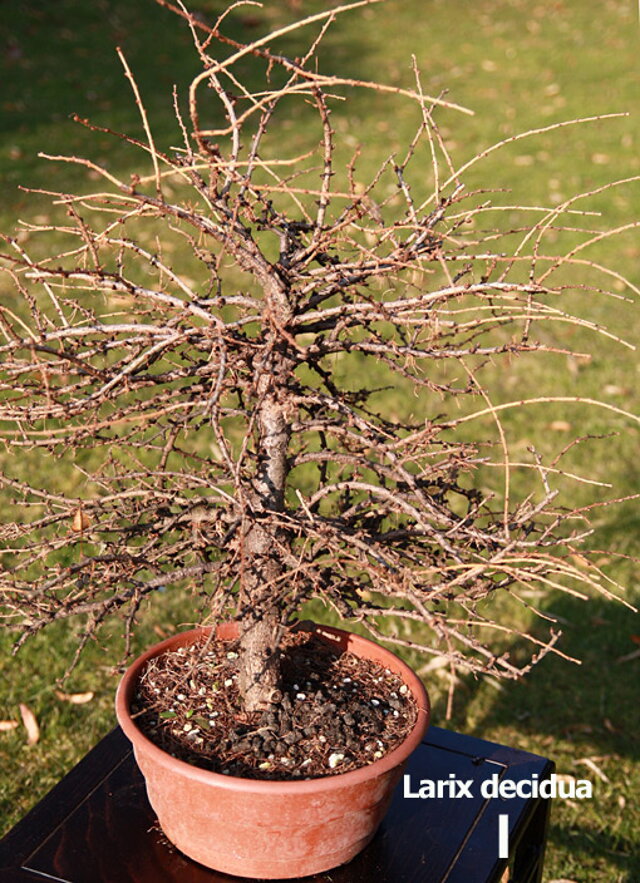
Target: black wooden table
[[96, 825]]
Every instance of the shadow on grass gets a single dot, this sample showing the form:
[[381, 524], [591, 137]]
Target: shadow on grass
[[571, 713], [620, 852]]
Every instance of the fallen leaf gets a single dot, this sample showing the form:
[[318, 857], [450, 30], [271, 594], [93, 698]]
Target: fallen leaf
[[609, 726], [565, 778], [635, 654], [5, 726], [81, 521], [30, 724], [434, 664], [560, 426], [75, 698], [635, 638], [588, 762]]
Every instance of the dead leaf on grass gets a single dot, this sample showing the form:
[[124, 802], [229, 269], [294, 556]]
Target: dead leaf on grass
[[635, 654], [609, 726], [5, 726], [566, 778], [30, 724], [589, 762], [433, 664], [75, 698]]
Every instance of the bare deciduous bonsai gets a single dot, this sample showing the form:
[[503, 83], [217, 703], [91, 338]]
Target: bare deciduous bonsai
[[225, 345]]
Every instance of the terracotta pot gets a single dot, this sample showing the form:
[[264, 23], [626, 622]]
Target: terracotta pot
[[270, 829]]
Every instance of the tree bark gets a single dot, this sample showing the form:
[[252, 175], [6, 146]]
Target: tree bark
[[259, 679], [263, 566]]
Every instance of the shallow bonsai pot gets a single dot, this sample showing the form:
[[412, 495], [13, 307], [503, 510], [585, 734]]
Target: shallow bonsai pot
[[270, 829]]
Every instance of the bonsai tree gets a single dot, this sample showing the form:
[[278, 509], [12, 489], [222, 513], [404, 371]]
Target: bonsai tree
[[225, 345]]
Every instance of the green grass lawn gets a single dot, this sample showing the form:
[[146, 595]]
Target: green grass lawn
[[519, 64]]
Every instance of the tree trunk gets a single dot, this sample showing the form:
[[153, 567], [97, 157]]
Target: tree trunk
[[259, 669], [264, 544]]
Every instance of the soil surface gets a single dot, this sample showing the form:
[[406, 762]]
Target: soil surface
[[336, 712]]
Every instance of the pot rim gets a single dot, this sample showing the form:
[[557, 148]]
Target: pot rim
[[288, 786]]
